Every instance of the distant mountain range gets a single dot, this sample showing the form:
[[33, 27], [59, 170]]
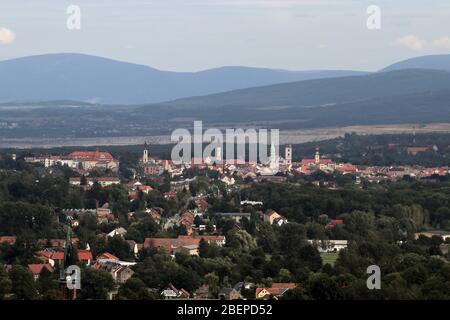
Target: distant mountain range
[[322, 92], [99, 80], [79, 77], [434, 62], [412, 95], [412, 91]]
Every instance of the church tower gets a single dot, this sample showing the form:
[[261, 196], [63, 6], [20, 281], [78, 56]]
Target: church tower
[[288, 155], [317, 157], [145, 154], [274, 161]]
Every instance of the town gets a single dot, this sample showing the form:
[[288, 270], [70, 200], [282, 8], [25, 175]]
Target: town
[[151, 229]]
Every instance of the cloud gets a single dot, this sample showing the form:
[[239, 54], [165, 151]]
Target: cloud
[[442, 43], [412, 42], [415, 43], [7, 36]]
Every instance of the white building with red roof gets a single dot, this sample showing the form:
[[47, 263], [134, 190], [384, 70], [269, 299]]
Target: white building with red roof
[[95, 159]]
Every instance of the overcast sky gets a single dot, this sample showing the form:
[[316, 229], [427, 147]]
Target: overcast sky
[[191, 35]]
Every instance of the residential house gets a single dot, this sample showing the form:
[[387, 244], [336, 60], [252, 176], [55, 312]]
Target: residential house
[[85, 256], [121, 232], [135, 247], [155, 213], [145, 189], [11, 240], [276, 291], [415, 150], [273, 217], [153, 169], [444, 235], [202, 293], [171, 244], [187, 221], [50, 257], [173, 293], [107, 256], [57, 258], [228, 180], [119, 270], [122, 273], [201, 204], [44, 256], [104, 215], [333, 223], [229, 294], [37, 269], [191, 249], [210, 239]]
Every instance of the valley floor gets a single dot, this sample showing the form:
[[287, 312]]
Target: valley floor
[[287, 136]]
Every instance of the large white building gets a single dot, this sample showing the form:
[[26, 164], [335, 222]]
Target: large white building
[[328, 246]]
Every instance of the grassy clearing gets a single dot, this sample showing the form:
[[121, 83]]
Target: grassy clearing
[[329, 258]]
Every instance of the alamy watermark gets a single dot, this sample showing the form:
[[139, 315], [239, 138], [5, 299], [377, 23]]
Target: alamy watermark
[[374, 19], [74, 19], [73, 277], [374, 280], [257, 141]]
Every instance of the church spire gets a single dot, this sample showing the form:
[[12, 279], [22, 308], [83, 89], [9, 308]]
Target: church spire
[[145, 154], [317, 156]]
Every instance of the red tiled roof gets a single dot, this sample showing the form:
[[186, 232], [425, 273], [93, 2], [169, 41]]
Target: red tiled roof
[[202, 204], [107, 255], [277, 289], [36, 269], [8, 239], [170, 243], [416, 149], [284, 285], [334, 223], [58, 255], [45, 255], [161, 243], [212, 238], [91, 155], [143, 188], [84, 255], [271, 212], [347, 168]]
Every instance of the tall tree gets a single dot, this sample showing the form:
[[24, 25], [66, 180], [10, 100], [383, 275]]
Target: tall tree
[[23, 285]]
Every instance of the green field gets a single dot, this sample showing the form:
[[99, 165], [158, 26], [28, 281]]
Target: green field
[[329, 258]]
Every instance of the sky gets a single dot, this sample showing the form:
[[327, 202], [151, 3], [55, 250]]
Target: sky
[[193, 35]]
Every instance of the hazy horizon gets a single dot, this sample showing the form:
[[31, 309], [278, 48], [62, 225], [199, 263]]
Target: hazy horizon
[[212, 68]]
